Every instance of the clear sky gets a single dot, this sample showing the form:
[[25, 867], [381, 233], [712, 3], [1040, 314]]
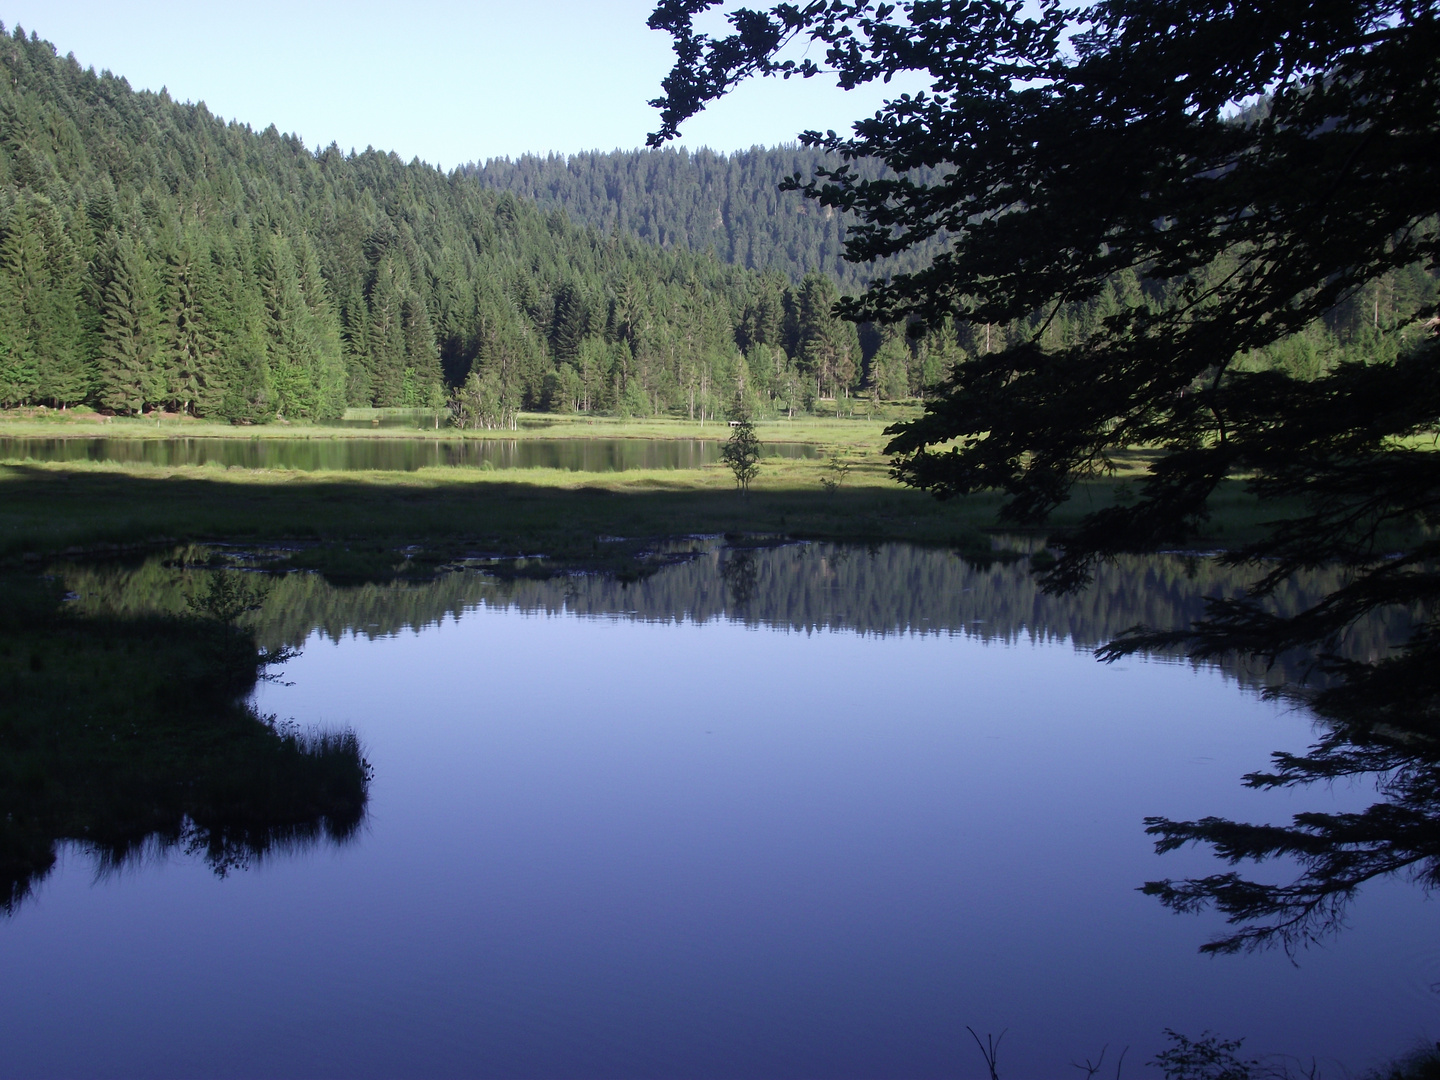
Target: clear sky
[[448, 82]]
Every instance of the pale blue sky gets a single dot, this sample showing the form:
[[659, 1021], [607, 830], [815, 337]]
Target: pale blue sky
[[445, 81]]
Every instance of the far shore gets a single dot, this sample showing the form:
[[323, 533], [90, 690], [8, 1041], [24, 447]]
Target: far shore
[[864, 428], [845, 492]]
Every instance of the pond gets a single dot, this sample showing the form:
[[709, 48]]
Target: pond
[[797, 811], [391, 454]]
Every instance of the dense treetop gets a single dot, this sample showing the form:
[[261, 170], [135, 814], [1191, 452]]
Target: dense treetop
[[731, 203], [153, 256]]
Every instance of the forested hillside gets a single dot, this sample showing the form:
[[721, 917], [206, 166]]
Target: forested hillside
[[153, 256], [156, 257], [731, 203]]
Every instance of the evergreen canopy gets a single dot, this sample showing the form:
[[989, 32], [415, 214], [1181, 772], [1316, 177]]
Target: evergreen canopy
[[154, 256], [731, 203], [1257, 166]]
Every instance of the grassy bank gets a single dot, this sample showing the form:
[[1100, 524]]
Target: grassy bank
[[49, 508], [844, 493], [370, 423]]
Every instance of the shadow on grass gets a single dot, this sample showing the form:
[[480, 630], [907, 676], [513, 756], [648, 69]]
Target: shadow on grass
[[47, 510]]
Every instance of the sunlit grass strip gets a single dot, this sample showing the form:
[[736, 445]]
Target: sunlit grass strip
[[867, 433]]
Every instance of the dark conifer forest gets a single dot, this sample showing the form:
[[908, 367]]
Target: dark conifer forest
[[154, 257], [729, 203]]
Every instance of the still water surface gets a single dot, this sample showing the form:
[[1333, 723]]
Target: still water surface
[[800, 812], [399, 455]]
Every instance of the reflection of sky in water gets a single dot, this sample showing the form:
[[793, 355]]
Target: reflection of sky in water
[[612, 848]]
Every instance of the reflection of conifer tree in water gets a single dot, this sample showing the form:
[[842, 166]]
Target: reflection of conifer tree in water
[[741, 575], [97, 751], [895, 588]]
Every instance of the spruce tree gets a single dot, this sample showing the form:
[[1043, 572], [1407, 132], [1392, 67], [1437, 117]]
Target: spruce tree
[[289, 346], [385, 340], [248, 393], [568, 326], [355, 350], [129, 336], [422, 357], [192, 347], [327, 361], [64, 368], [24, 303]]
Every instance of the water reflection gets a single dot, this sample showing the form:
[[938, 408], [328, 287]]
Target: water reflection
[[127, 735], [642, 838], [881, 589], [394, 455]]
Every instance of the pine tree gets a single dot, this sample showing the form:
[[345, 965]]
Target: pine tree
[[568, 326], [19, 361], [64, 370], [385, 340], [35, 321], [890, 368], [41, 338], [327, 361], [249, 397], [126, 365], [355, 350], [422, 358], [826, 348], [289, 346], [189, 295]]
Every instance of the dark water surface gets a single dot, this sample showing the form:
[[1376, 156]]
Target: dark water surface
[[797, 812], [399, 454]]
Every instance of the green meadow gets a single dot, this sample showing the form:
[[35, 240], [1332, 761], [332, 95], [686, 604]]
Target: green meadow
[[844, 492]]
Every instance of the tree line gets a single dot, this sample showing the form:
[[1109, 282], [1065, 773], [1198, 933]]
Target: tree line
[[155, 257], [704, 200], [732, 204]]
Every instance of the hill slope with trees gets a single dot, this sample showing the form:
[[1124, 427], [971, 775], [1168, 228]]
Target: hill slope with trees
[[154, 256], [703, 200], [732, 204]]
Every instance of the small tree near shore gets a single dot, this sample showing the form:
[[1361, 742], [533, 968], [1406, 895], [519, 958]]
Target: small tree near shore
[[742, 451]]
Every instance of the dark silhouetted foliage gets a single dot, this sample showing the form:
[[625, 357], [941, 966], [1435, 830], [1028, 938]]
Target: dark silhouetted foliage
[[1213, 184]]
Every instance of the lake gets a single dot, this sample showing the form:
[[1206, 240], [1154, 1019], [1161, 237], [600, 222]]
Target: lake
[[405, 454], [800, 811]]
